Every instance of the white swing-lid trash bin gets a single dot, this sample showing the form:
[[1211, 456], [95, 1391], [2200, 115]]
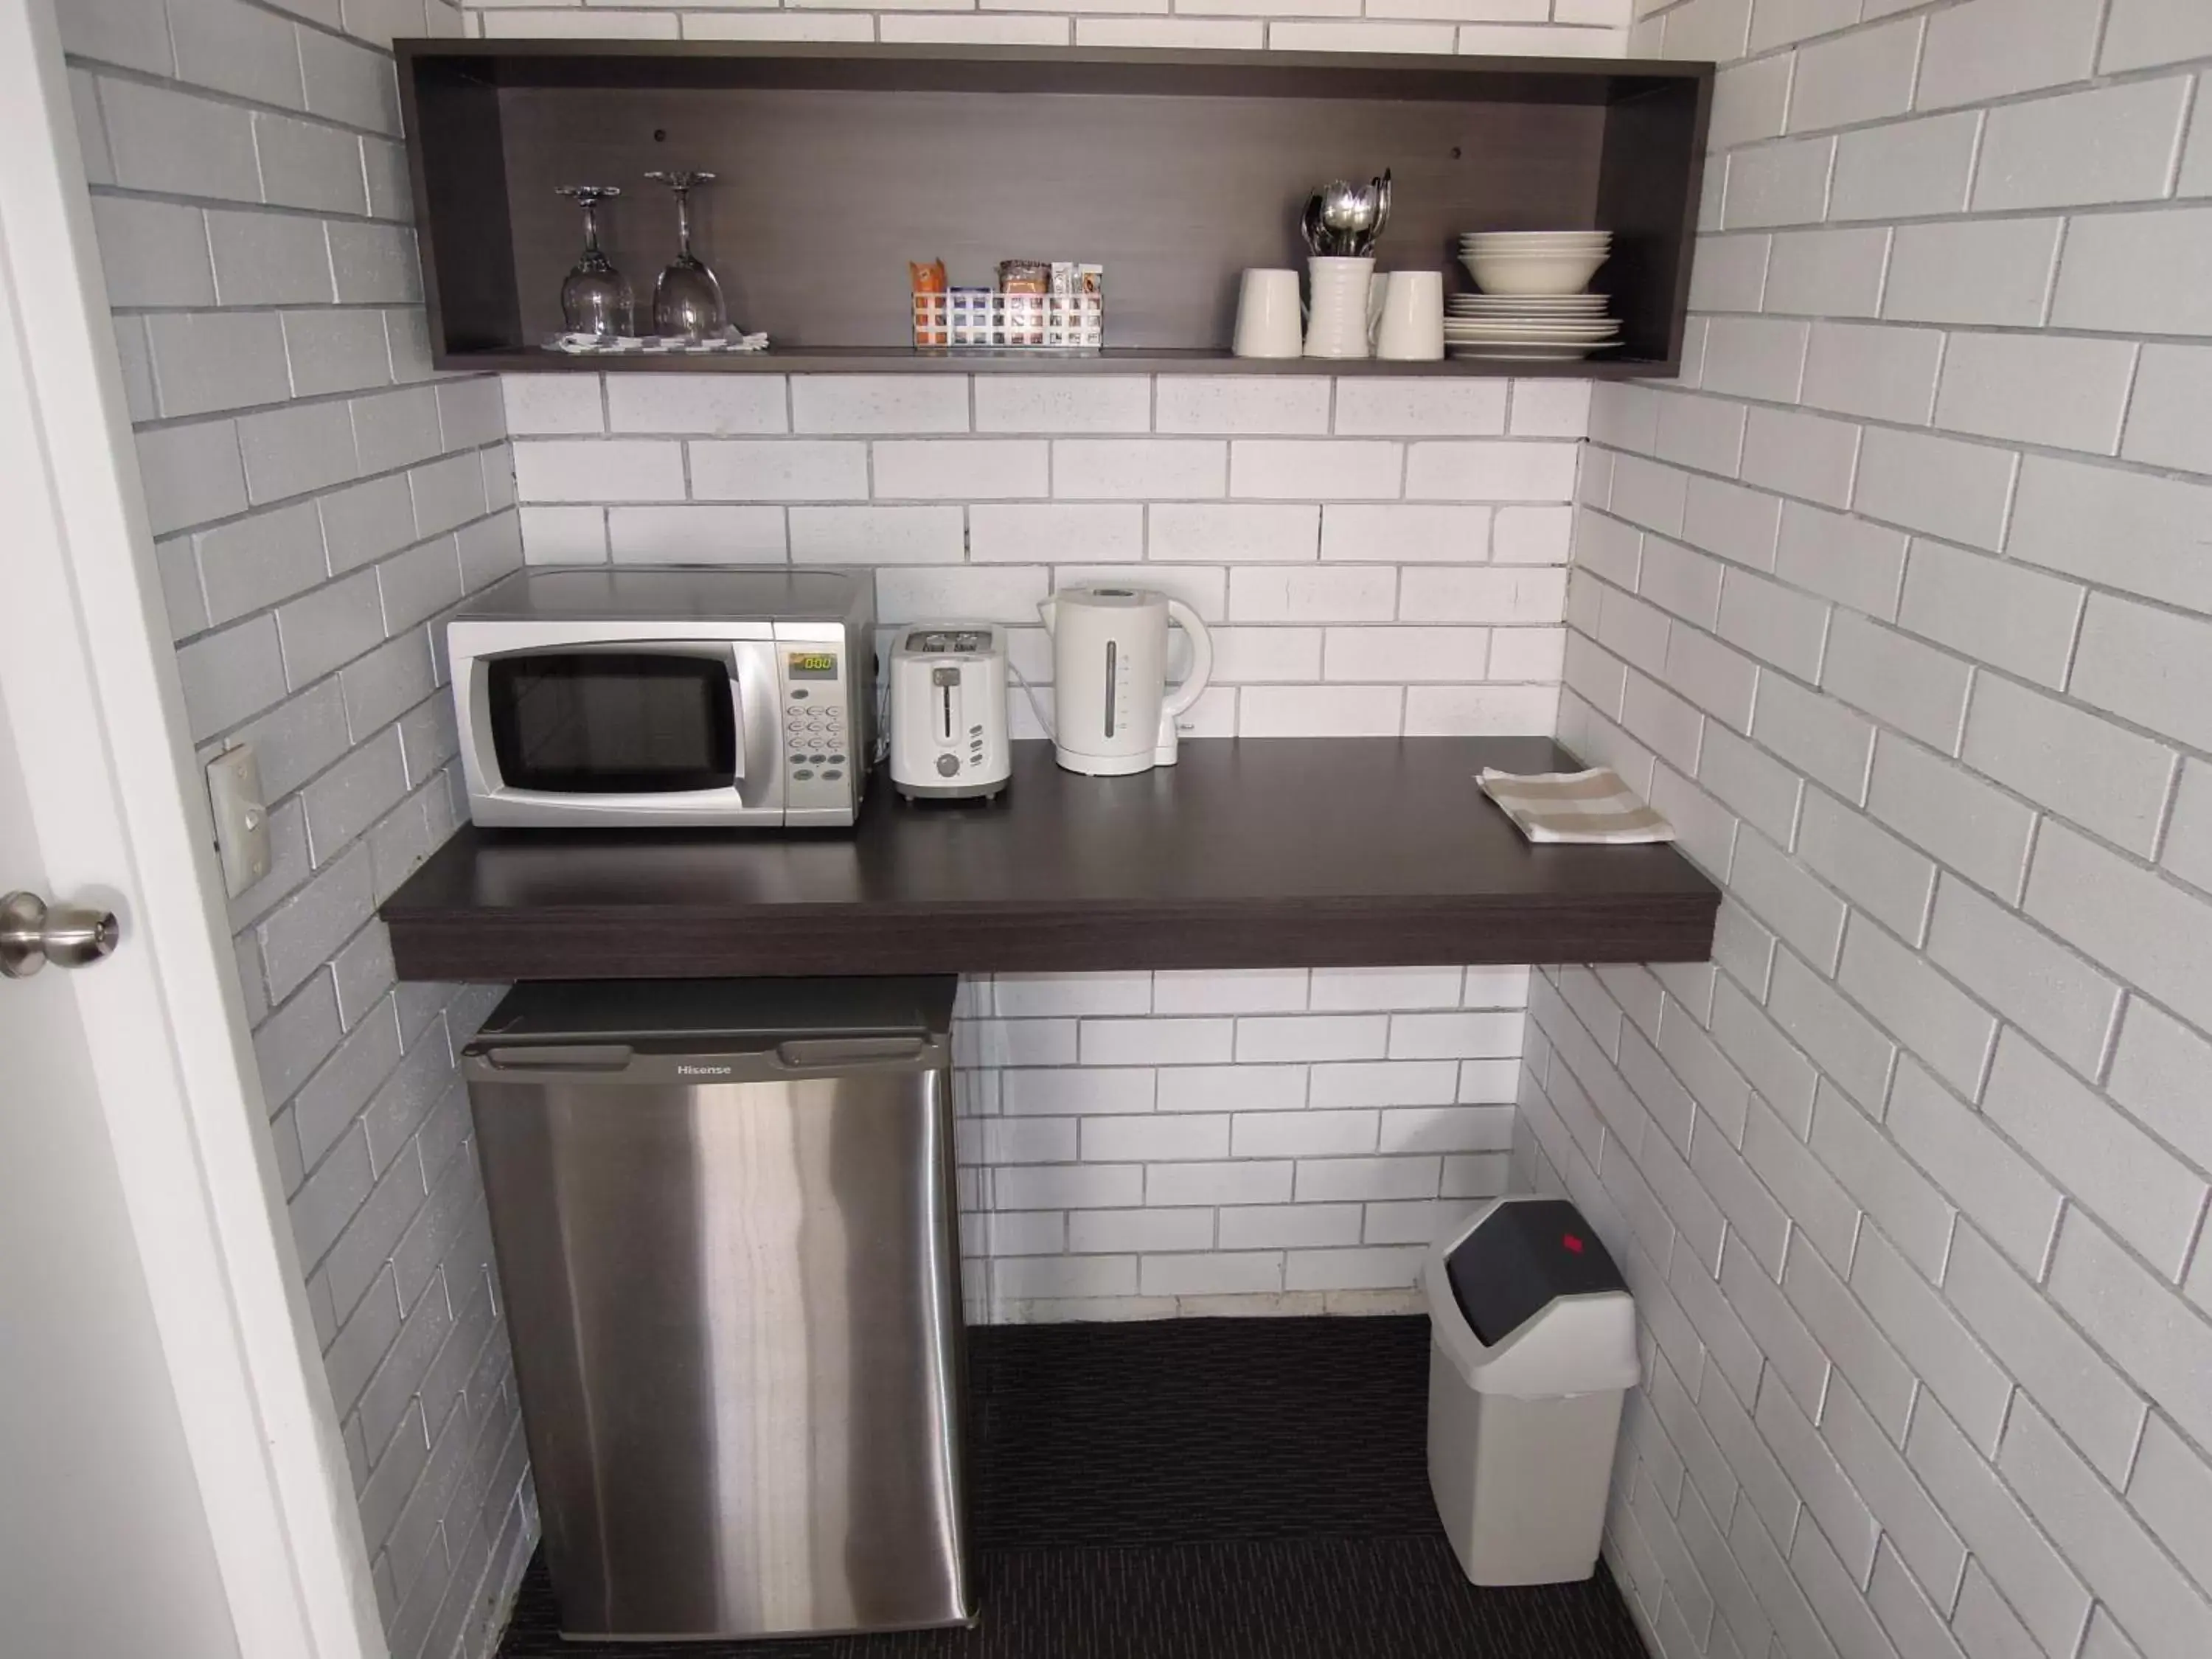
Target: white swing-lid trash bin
[[1533, 1346]]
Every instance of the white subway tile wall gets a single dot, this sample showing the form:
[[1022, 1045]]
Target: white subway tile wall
[[1136, 1146], [320, 500], [1369, 584], [1580, 28], [1913, 1194]]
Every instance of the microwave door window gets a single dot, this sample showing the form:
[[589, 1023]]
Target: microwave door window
[[612, 722]]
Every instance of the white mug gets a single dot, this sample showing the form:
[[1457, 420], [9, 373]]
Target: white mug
[[1409, 317], [1339, 321], [1268, 316]]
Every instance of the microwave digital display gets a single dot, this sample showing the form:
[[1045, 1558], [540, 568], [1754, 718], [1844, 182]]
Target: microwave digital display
[[812, 665]]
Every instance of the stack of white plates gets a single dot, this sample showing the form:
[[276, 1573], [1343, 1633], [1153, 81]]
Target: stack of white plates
[[1534, 261], [1528, 326]]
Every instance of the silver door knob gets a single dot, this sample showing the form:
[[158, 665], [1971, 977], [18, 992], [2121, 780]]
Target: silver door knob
[[69, 936]]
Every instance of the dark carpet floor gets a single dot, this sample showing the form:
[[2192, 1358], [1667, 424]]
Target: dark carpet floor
[[1199, 1489]]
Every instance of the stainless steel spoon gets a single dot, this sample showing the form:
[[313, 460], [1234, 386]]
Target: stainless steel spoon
[[1347, 211], [1379, 190]]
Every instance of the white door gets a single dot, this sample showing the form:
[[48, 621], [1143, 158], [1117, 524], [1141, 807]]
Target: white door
[[103, 1542], [172, 1481]]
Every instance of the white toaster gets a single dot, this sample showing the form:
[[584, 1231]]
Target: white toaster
[[949, 710]]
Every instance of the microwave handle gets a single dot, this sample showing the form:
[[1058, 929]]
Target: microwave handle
[[738, 719], [756, 702]]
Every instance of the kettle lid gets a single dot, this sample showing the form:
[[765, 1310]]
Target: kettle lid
[[1110, 597]]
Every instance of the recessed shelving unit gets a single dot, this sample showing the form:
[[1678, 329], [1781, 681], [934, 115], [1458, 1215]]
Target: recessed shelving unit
[[1173, 170]]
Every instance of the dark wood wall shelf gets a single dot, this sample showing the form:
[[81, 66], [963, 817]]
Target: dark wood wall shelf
[[1280, 852], [1173, 170], [1115, 360]]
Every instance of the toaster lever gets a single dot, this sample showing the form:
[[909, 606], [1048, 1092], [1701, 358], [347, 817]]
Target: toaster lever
[[947, 682]]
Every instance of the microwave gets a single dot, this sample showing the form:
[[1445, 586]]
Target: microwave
[[650, 698]]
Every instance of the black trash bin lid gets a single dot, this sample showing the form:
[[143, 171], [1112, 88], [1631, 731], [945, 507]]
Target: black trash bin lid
[[1528, 1254]]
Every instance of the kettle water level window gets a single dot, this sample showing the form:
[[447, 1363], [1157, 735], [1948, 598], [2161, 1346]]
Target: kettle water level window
[[611, 723]]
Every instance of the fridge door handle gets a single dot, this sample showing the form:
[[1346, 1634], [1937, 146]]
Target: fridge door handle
[[559, 1057], [847, 1054]]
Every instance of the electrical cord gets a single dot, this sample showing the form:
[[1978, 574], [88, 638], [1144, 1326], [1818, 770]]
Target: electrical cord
[[1029, 692]]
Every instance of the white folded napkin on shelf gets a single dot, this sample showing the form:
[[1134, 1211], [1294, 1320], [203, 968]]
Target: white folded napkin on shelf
[[591, 345], [1594, 807]]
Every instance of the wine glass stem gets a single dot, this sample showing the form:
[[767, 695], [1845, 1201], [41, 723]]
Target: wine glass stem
[[684, 222], [591, 228]]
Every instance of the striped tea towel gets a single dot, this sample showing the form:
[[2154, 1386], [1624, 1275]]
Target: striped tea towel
[[1593, 806]]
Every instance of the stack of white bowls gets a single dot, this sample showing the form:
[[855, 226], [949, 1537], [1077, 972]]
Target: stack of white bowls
[[1534, 261], [1533, 302]]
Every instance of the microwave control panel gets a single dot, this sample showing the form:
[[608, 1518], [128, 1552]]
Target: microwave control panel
[[821, 763]]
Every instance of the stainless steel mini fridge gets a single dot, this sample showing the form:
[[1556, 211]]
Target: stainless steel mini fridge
[[723, 1218]]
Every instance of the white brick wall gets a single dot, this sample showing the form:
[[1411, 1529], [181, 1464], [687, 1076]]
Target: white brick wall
[[318, 501], [1915, 1208], [1136, 1146], [1370, 584], [1587, 28]]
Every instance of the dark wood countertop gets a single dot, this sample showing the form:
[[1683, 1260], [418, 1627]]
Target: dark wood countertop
[[1281, 852]]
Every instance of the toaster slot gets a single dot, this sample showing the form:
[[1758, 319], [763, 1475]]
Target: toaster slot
[[947, 684]]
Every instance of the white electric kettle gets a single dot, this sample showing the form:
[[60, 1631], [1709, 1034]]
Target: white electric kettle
[[1109, 670]]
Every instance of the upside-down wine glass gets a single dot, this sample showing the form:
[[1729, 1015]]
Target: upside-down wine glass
[[687, 301], [596, 298]]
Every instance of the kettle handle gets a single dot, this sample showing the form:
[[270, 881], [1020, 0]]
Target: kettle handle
[[1201, 658]]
